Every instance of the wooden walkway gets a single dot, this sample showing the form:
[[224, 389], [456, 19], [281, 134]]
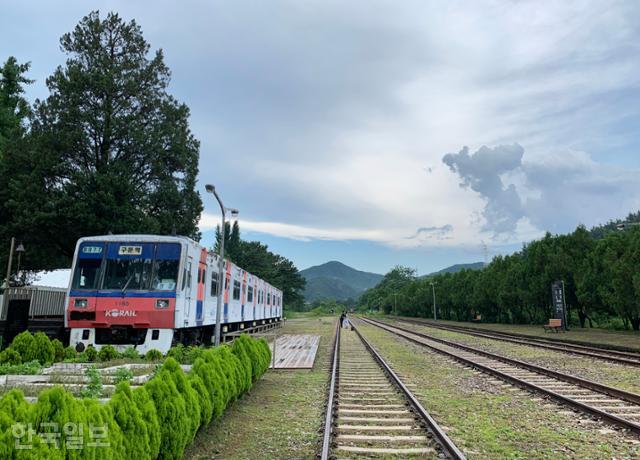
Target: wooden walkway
[[295, 351]]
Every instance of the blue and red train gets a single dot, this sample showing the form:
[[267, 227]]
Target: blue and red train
[[151, 291]]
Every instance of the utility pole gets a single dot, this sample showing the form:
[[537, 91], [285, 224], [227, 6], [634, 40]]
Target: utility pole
[[221, 276], [435, 310], [395, 303]]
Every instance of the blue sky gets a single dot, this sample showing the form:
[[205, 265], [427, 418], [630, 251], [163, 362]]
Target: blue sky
[[339, 128]]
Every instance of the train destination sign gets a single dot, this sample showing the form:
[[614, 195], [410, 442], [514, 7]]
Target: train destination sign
[[92, 249], [130, 250]]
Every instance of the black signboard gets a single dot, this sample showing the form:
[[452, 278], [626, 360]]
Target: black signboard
[[557, 295]]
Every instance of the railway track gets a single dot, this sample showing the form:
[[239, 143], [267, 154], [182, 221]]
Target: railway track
[[609, 404], [621, 357], [372, 413]]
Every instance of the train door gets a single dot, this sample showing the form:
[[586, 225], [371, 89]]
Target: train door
[[188, 293], [202, 274]]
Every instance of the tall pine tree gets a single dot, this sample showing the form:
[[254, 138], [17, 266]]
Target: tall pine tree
[[110, 149]]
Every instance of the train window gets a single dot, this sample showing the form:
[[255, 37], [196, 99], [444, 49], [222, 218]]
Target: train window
[[155, 334], [130, 273], [268, 298], [214, 284], [236, 290], [165, 275], [87, 274], [250, 294]]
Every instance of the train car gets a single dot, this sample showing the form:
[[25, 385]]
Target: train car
[[33, 308], [150, 292]]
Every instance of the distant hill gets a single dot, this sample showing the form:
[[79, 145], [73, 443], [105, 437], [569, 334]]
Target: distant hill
[[457, 268], [335, 280]]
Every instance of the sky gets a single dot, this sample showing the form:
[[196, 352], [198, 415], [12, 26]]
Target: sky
[[380, 133]]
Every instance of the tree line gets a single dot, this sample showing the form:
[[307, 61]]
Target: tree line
[[600, 269], [109, 150]]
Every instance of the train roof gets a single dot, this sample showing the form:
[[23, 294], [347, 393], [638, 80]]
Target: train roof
[[140, 237]]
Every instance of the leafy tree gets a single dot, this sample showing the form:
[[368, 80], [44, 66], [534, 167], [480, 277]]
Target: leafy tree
[[110, 149], [14, 113]]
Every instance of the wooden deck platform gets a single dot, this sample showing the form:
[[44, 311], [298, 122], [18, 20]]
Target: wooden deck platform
[[295, 351]]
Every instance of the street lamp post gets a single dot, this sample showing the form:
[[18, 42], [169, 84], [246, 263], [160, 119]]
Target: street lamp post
[[8, 278], [435, 311], [234, 212], [19, 250]]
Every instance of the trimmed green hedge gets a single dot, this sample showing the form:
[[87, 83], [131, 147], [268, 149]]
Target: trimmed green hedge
[[156, 420]]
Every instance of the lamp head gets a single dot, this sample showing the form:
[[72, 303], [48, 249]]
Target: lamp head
[[234, 212], [209, 188]]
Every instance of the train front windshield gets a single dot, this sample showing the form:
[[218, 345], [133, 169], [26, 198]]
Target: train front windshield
[[127, 266]]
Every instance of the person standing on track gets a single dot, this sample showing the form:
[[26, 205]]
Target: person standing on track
[[345, 321]]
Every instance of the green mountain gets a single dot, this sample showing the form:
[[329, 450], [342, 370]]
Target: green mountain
[[457, 268], [335, 280]]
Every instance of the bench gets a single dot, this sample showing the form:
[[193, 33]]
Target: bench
[[555, 325]]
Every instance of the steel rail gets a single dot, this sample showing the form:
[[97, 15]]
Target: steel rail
[[445, 442], [589, 384], [328, 420], [599, 353], [611, 418]]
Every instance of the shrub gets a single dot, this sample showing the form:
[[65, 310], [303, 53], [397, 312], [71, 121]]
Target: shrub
[[204, 400], [30, 368], [58, 406], [43, 351], [192, 353], [94, 385], [232, 367], [153, 355], [23, 344], [189, 394], [150, 416], [172, 415], [212, 381], [176, 352], [70, 353], [123, 374], [58, 350], [239, 350], [100, 416], [130, 353], [10, 356], [130, 420], [14, 409], [107, 353], [91, 353]]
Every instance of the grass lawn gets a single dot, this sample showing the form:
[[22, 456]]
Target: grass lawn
[[489, 419], [616, 375], [282, 415], [628, 339]]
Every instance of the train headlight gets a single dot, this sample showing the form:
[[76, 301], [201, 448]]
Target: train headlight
[[162, 303], [80, 303]]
